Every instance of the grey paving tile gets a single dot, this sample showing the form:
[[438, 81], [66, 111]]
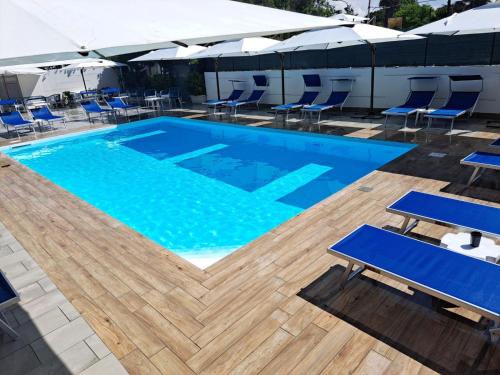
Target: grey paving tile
[[5, 250], [108, 365], [13, 258], [97, 346], [20, 362], [39, 306], [13, 270], [30, 292], [47, 284], [27, 278], [29, 264], [77, 358], [61, 339], [69, 310]]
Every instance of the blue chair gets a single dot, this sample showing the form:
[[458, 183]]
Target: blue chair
[[8, 298], [308, 97], [118, 104], [416, 100], [214, 103], [260, 84], [496, 143], [16, 121], [110, 91], [336, 99], [453, 277], [254, 98], [442, 210], [91, 107], [481, 161], [44, 114], [459, 104]]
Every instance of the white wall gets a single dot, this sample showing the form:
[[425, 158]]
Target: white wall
[[59, 80], [391, 84]]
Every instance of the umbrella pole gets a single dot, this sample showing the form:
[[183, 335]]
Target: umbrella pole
[[372, 78], [83, 79], [282, 58], [217, 77]]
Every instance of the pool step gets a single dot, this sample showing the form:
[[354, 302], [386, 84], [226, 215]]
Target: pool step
[[143, 135], [292, 181], [195, 153]]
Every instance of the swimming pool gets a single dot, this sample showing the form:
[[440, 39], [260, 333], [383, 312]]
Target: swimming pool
[[203, 189]]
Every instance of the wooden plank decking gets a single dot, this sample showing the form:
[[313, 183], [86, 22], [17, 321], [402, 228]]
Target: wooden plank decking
[[268, 308]]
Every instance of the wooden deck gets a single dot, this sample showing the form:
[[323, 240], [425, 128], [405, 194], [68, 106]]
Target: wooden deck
[[271, 307]]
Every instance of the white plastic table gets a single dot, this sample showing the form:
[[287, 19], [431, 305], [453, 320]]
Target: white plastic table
[[460, 242]]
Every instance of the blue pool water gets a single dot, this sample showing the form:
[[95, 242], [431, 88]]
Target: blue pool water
[[203, 189]]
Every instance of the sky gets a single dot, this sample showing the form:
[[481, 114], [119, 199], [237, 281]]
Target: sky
[[361, 6]]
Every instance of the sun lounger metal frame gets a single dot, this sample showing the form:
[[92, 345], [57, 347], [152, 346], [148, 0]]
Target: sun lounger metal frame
[[479, 168], [350, 274]]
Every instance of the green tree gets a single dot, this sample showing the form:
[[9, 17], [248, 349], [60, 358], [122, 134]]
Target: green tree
[[415, 14]]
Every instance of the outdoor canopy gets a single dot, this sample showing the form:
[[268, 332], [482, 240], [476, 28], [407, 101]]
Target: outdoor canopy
[[93, 63], [176, 53], [337, 37], [112, 27], [483, 19], [234, 48]]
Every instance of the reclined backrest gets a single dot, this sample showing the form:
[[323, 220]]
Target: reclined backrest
[[337, 97], [308, 97], [12, 118], [419, 99], [462, 100]]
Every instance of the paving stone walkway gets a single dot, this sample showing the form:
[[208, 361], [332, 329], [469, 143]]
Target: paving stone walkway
[[54, 338]]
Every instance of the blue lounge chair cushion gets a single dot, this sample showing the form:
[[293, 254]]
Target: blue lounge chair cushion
[[93, 107], [6, 292], [254, 97], [7, 102], [118, 103], [473, 281], [45, 114], [14, 118], [308, 97], [336, 98], [459, 103], [446, 113], [484, 159], [451, 211], [416, 100]]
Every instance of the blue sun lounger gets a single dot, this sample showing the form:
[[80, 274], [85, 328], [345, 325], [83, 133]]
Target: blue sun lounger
[[15, 121], [254, 98], [496, 143], [118, 104], [446, 211], [336, 99], [458, 279], [307, 98], [92, 107], [214, 103], [481, 161], [8, 298], [461, 102], [416, 100], [45, 114], [312, 88]]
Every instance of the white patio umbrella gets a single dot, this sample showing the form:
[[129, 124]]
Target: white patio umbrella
[[483, 19], [53, 27], [234, 48], [177, 53], [349, 18], [337, 37], [6, 70], [93, 63]]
